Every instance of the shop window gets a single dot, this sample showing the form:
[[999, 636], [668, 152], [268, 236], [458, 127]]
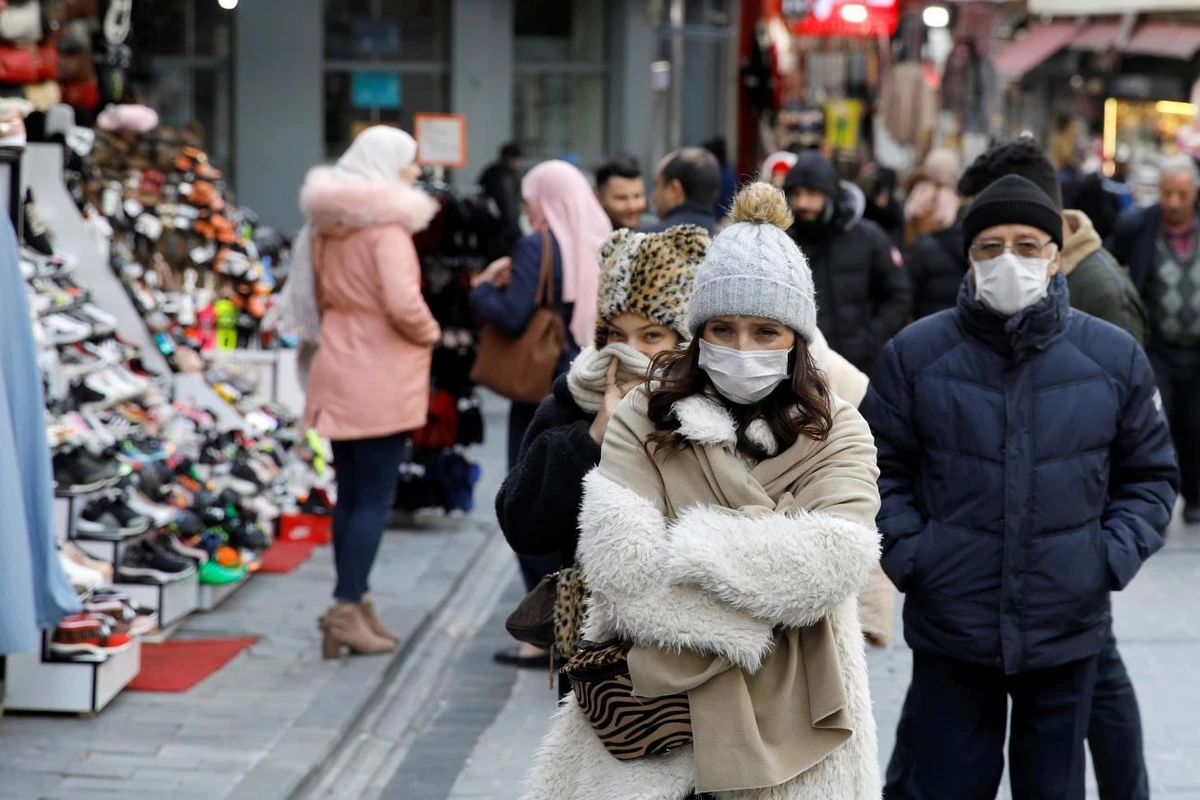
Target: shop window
[[385, 60], [186, 46], [346, 114], [391, 30], [561, 78]]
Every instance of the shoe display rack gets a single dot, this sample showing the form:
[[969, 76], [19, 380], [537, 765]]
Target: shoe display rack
[[82, 685]]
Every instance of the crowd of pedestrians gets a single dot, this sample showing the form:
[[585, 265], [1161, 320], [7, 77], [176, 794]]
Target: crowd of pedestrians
[[735, 524]]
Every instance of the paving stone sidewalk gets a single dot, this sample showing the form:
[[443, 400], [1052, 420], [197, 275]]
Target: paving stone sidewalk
[[1157, 627], [257, 728]]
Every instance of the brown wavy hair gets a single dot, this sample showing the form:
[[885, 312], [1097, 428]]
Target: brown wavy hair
[[799, 407]]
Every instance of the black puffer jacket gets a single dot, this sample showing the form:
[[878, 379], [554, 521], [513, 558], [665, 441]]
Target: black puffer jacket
[[864, 294], [538, 504], [937, 266]]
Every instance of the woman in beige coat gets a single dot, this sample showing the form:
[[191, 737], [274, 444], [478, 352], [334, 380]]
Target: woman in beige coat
[[369, 382], [725, 536]]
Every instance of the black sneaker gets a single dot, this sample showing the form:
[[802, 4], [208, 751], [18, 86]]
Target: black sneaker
[[109, 517], [1191, 514], [78, 473], [36, 237], [143, 562]]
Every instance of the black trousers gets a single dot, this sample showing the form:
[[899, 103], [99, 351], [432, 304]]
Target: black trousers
[[1177, 371], [1114, 736], [959, 717], [533, 568]]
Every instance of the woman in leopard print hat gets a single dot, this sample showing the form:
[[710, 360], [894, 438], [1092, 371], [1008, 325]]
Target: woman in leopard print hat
[[645, 284]]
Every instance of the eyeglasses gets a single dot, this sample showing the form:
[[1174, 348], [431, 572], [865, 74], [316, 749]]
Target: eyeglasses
[[1025, 248]]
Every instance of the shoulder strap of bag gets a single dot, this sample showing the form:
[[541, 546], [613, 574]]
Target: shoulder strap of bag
[[545, 290]]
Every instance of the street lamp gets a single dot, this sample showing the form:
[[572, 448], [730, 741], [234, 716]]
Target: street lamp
[[228, 5], [935, 17]]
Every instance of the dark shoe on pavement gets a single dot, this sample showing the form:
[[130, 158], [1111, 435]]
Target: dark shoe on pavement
[[1191, 514], [513, 658]]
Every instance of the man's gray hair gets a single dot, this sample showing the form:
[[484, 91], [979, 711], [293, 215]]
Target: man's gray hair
[[1173, 165]]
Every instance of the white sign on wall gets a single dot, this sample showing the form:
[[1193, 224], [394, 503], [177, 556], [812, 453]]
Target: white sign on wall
[[441, 139]]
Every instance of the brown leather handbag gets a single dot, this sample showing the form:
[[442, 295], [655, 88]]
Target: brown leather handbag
[[522, 368]]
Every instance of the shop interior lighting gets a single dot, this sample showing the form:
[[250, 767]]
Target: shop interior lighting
[[854, 13], [1173, 107], [1110, 129], [935, 17], [228, 5]]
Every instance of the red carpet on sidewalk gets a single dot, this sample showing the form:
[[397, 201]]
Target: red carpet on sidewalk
[[180, 665], [284, 556]]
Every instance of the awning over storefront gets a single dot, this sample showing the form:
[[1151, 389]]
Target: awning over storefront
[[1034, 47], [1167, 40], [1098, 38]]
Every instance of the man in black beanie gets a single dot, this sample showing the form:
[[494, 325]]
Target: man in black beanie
[[1100, 286], [863, 291], [1008, 516]]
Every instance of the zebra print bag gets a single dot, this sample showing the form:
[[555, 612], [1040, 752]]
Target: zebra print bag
[[629, 727]]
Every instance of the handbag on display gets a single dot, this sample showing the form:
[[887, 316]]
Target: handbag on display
[[18, 64], [522, 368], [82, 9], [629, 727], [47, 58], [22, 22], [83, 94], [76, 67]]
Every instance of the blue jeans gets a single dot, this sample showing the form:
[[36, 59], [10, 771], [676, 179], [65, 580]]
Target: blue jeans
[[1114, 736], [367, 473]]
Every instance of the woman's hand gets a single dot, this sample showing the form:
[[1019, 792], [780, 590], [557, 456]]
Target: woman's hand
[[614, 393], [498, 273]]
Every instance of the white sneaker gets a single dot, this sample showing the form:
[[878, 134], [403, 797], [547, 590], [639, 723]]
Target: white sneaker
[[160, 515], [82, 578], [61, 329]]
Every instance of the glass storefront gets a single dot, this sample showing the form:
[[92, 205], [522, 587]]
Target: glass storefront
[[384, 62], [561, 78], [187, 46]]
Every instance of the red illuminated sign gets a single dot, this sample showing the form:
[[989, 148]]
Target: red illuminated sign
[[857, 18]]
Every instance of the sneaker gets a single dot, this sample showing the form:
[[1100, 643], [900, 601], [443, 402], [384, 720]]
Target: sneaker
[[111, 517], [62, 329], [77, 363], [37, 236], [84, 633], [160, 515], [193, 553], [215, 574], [1191, 514], [83, 578], [146, 563], [78, 473]]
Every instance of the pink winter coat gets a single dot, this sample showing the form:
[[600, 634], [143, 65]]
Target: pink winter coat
[[370, 376]]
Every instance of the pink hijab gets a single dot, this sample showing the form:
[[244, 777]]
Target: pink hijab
[[560, 199]]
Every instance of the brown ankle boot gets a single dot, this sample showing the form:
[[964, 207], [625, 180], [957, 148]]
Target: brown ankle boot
[[345, 626], [375, 623]]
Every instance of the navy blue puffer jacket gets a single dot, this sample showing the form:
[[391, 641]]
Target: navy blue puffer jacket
[[1026, 472]]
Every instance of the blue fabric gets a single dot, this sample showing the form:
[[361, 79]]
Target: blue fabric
[[1026, 472], [688, 213], [510, 309], [367, 473], [961, 717], [728, 191], [1132, 242], [34, 592]]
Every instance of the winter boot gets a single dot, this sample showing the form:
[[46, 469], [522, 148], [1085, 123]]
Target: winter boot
[[344, 626], [374, 623]]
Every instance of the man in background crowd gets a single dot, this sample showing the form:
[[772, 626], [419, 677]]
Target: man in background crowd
[[1159, 245], [621, 192], [501, 182], [686, 188], [863, 291]]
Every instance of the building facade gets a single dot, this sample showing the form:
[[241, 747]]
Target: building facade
[[281, 85]]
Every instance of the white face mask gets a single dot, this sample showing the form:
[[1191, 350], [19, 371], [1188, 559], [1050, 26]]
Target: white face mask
[[743, 376], [1008, 283]]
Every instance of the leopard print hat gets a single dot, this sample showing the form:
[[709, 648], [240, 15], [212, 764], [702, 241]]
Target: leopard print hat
[[649, 274]]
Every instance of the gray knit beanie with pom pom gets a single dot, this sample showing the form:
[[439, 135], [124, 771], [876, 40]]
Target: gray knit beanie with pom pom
[[754, 269]]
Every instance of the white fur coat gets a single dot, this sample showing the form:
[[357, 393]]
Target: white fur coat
[[740, 584]]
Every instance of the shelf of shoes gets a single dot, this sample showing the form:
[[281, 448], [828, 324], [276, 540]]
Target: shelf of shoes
[[200, 270], [83, 685]]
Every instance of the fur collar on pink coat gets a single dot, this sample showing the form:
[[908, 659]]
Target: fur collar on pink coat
[[335, 203]]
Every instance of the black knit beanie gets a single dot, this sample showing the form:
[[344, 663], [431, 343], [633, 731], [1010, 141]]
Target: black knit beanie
[[813, 171], [1012, 200]]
